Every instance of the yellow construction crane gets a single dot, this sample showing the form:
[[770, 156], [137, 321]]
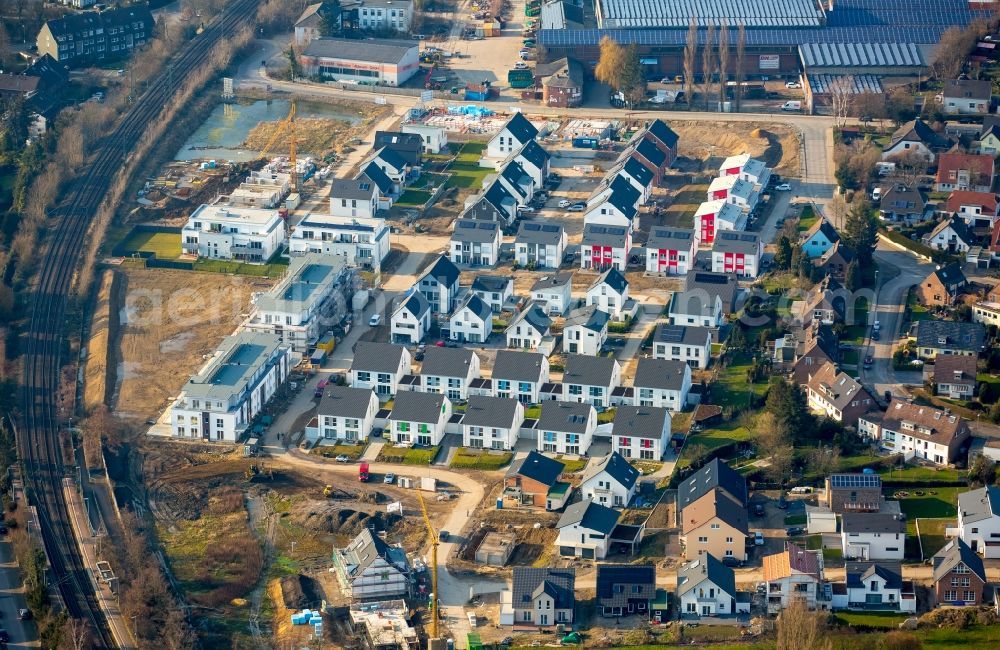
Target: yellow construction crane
[[432, 536], [286, 124]]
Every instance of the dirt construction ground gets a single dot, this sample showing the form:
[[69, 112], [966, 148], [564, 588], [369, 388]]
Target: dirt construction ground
[[170, 321]]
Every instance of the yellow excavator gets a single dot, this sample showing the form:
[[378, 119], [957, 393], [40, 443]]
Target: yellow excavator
[[287, 124], [432, 537]]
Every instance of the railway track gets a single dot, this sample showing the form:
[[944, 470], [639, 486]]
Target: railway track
[[38, 441]]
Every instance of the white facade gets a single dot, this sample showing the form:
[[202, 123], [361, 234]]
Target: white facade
[[523, 334], [522, 388], [669, 398], [555, 298], [383, 381], [332, 426], [542, 255], [695, 354], [503, 436], [475, 253], [221, 401], [604, 212], [578, 339], [670, 254], [348, 199], [508, 140], [979, 521], [608, 299], [987, 313], [687, 309], [562, 442], [454, 387], [434, 138], [872, 546], [224, 232], [583, 540], [744, 265], [643, 447], [596, 395], [363, 242], [385, 14], [605, 489], [706, 598], [406, 432], [466, 324], [600, 257], [948, 240], [408, 326]]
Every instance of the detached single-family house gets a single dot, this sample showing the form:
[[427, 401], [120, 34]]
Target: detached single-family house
[[954, 377], [696, 307], [494, 290], [393, 165], [979, 520], [590, 379], [492, 422], [625, 589], [959, 575], [379, 367], [497, 203], [566, 427], [346, 413], [585, 330], [449, 371], [543, 597], [737, 252], [534, 160], [605, 247], [472, 320], [610, 481], [942, 287], [826, 303], [707, 587], [853, 492], [964, 171], [609, 293], [641, 432], [475, 242], [875, 585], [512, 137], [409, 146], [819, 238], [976, 209], [713, 475], [533, 482], [872, 536], [670, 251], [837, 395], [616, 205], [951, 235], [687, 343], [834, 261], [989, 138], [940, 337], [919, 431], [528, 327], [439, 285], [353, 198], [539, 245], [585, 530], [723, 285], [794, 575], [370, 569], [433, 138], [519, 375], [554, 292], [662, 383], [310, 21], [901, 203], [915, 138], [716, 524], [418, 418], [967, 96], [411, 320]]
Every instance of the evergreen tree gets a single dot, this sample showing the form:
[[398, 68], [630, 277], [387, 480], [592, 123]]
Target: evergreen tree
[[783, 254], [852, 279], [861, 232], [330, 12]]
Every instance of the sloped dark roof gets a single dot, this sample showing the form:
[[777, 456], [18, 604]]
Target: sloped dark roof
[[368, 547], [498, 195], [723, 285], [590, 515], [824, 226], [858, 574], [518, 366], [522, 130], [624, 196], [641, 422], [872, 522], [534, 153], [950, 275], [494, 412], [377, 357], [447, 362], [587, 370], [659, 130], [478, 307], [628, 575], [475, 230], [595, 234], [980, 504], [954, 553], [527, 582], [409, 146], [564, 417], [665, 374], [392, 157], [715, 474], [444, 271], [616, 466], [492, 283], [344, 401], [638, 171], [346, 188], [614, 279], [75, 22], [537, 467], [416, 304], [411, 406], [535, 316], [377, 175], [648, 150], [514, 174], [917, 131], [534, 232], [590, 317], [957, 336], [706, 567]]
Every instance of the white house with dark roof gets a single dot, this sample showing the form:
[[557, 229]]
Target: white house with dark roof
[[553, 291], [609, 293], [495, 204], [604, 247], [610, 481], [369, 568], [535, 161], [687, 343], [663, 383], [472, 320], [641, 432], [528, 328], [639, 175], [670, 251], [379, 367], [346, 413], [914, 430], [519, 375], [449, 371], [950, 235], [543, 597], [707, 587], [353, 197], [492, 423], [517, 181], [392, 165], [590, 379], [915, 137], [941, 338], [475, 243], [714, 216], [433, 138], [494, 290], [585, 330], [967, 96], [411, 320], [566, 428], [418, 418], [514, 135], [439, 285], [696, 307], [539, 245], [875, 585], [585, 530], [979, 520], [615, 205], [737, 252], [872, 536], [386, 188]]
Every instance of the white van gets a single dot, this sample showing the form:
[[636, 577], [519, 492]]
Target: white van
[[792, 106]]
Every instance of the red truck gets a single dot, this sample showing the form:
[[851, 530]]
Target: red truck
[[363, 473]]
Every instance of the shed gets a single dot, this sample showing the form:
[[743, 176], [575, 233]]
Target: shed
[[820, 519], [495, 549]]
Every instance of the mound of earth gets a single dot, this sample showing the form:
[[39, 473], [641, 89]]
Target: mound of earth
[[298, 591], [332, 517]]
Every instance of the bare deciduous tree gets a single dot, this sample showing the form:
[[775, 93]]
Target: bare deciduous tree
[[76, 635], [950, 53], [798, 628], [707, 63], [841, 97], [690, 48], [741, 50], [723, 63]]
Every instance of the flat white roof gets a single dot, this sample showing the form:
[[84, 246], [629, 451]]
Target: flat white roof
[[308, 281], [223, 213]]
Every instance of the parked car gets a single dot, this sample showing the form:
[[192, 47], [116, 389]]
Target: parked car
[[390, 478], [565, 203], [868, 362], [24, 614], [525, 208], [375, 320], [802, 489], [792, 531], [731, 561], [792, 84], [758, 509], [342, 459], [758, 538], [520, 65], [874, 335], [784, 187], [577, 207], [782, 502]]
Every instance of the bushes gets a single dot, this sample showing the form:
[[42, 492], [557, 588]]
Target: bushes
[[899, 238], [482, 459], [408, 455]]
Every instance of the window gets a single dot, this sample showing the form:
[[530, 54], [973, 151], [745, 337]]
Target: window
[[715, 526], [729, 540], [702, 540]]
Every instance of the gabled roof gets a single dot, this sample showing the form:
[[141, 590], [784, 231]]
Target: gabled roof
[[724, 285], [950, 335], [367, 547], [900, 196], [955, 369], [985, 200], [415, 303], [615, 280], [950, 275], [534, 153], [954, 553], [311, 16], [518, 366], [492, 412], [492, 283], [706, 567], [925, 423], [659, 130], [968, 89], [682, 334], [980, 166], [837, 387], [383, 50], [522, 130], [590, 515], [515, 175], [611, 575], [595, 234], [872, 522], [859, 573], [714, 504], [651, 153], [477, 306], [641, 422], [670, 238], [376, 175], [344, 401], [48, 70], [391, 157], [665, 374], [638, 171], [377, 357], [533, 232], [75, 22], [16, 83], [917, 131], [837, 250], [823, 226], [731, 241], [980, 504], [624, 196], [527, 583], [475, 230], [408, 146], [537, 467], [361, 189], [447, 362], [500, 198], [793, 560], [588, 371], [411, 406], [957, 226], [564, 417], [617, 468], [443, 270], [534, 316], [715, 474], [552, 281]]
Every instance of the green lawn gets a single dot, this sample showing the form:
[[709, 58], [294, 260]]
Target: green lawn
[[932, 537], [856, 463], [926, 502], [413, 198], [808, 219], [854, 334], [272, 270], [778, 281], [731, 387], [332, 451], [710, 439], [572, 465], [484, 459], [533, 412], [408, 456], [921, 473], [166, 245], [849, 357], [465, 170], [870, 619]]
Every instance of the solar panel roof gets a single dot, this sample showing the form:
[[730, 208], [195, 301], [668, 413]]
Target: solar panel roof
[[856, 481]]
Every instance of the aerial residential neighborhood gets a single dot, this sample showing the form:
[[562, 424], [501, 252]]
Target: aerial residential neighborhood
[[388, 325]]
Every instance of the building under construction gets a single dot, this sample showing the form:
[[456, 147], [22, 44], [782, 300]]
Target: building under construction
[[384, 625]]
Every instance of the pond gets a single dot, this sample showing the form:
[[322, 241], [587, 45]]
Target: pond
[[226, 128]]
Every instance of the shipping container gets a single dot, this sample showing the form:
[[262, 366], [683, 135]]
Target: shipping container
[[520, 78], [586, 143]]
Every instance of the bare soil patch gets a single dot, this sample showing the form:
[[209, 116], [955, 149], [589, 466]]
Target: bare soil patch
[[96, 376]]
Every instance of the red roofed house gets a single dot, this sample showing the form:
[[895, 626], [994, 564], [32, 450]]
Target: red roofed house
[[978, 209], [792, 575], [964, 171]]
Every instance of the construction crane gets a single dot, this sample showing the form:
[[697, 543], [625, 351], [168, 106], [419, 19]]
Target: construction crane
[[286, 124], [432, 536]]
